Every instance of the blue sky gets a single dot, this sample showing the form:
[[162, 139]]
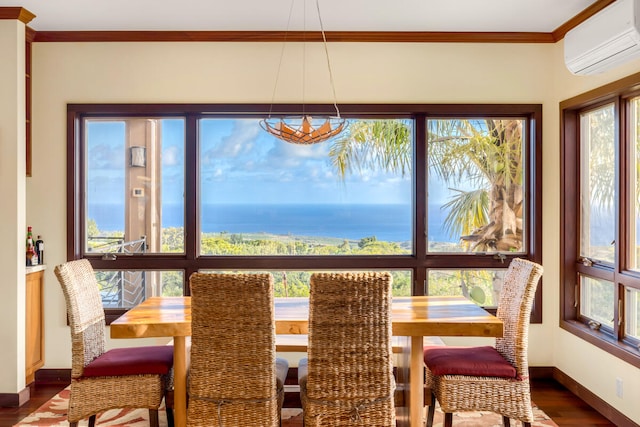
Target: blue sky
[[240, 163]]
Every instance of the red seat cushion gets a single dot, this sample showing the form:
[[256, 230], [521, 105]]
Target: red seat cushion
[[151, 360], [472, 361]]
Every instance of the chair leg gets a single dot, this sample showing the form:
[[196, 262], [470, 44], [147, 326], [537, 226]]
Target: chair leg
[[526, 424], [432, 410], [170, 422], [75, 424], [92, 421], [448, 419], [153, 418], [506, 421]]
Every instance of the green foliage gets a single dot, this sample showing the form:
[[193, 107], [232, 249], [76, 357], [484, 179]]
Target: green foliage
[[601, 161], [293, 283], [173, 239], [599, 301], [366, 241], [92, 228], [373, 144], [401, 283], [172, 283], [477, 285], [271, 244]]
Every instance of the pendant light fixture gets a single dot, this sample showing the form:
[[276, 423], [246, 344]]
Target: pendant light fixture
[[305, 129]]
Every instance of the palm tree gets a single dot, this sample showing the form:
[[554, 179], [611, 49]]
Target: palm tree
[[485, 155], [378, 144]]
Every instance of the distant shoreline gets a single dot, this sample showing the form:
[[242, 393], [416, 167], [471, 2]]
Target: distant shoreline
[[392, 223]]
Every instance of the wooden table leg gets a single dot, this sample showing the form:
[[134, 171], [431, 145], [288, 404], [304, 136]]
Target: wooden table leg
[[416, 383], [402, 381], [179, 382]]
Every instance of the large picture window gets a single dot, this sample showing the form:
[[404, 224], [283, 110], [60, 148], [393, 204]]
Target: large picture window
[[443, 196], [260, 196], [600, 204]]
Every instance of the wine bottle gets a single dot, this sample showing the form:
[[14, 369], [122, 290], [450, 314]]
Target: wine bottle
[[40, 249], [32, 257], [29, 236]]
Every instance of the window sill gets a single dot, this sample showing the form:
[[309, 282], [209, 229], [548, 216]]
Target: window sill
[[626, 352]]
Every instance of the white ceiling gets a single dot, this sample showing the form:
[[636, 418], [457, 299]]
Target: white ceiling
[[272, 15]]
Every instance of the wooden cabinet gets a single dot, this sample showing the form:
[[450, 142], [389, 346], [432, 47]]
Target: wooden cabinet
[[34, 327]]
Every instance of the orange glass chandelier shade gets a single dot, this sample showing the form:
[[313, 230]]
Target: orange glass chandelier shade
[[302, 130]]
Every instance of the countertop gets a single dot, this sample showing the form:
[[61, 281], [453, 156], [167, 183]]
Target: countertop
[[35, 268]]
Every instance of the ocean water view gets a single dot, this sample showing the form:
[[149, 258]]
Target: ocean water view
[[391, 223]]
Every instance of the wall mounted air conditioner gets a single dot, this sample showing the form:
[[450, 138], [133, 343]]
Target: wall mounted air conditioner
[[609, 38]]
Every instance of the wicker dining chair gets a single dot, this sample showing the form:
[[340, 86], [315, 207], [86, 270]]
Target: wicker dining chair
[[133, 377], [489, 378], [347, 379], [235, 378]]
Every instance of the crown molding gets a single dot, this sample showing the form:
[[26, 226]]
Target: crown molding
[[302, 36], [293, 36], [19, 13], [561, 31]]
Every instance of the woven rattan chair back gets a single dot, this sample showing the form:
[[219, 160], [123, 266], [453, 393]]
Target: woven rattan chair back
[[232, 380], [94, 394], [514, 309], [509, 397], [350, 361], [85, 313]]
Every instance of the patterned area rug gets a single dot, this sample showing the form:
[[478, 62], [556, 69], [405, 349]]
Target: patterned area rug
[[462, 419], [54, 413]]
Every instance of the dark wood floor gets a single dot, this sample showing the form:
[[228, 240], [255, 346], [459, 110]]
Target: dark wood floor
[[563, 406], [556, 401], [39, 395]]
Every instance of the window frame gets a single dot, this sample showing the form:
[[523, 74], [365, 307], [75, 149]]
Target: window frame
[[572, 265], [419, 263]]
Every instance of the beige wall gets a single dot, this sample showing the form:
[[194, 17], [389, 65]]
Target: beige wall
[[364, 73], [12, 212]]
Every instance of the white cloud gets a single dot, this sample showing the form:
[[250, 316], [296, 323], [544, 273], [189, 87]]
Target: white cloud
[[106, 156], [170, 156], [240, 141]]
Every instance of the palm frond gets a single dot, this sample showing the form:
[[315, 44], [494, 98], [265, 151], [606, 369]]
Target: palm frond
[[376, 144], [468, 211]]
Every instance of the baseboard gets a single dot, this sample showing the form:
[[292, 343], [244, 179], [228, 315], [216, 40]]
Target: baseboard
[[53, 376], [541, 372], [43, 377], [607, 411], [15, 400]]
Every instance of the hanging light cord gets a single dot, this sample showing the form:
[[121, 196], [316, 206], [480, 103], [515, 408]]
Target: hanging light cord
[[326, 51], [284, 42], [304, 54]]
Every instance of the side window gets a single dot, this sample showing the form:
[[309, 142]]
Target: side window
[[600, 202]]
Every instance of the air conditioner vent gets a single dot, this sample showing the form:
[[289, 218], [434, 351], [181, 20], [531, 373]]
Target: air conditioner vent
[[606, 40]]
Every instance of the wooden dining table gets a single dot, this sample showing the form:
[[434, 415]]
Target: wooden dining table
[[412, 317]]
